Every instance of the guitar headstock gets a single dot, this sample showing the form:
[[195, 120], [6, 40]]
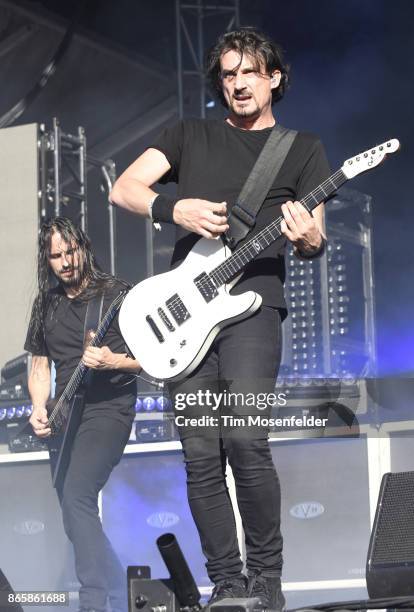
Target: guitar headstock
[[369, 159]]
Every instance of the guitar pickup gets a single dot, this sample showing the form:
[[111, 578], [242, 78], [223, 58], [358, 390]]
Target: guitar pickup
[[154, 328], [177, 309], [165, 320], [206, 287]]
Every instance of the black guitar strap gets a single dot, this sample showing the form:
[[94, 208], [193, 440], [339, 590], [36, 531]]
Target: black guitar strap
[[92, 319], [243, 214]]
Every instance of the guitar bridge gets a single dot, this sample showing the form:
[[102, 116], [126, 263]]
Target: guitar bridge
[[165, 320]]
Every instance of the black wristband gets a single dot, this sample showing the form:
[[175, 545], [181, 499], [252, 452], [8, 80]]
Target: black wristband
[[163, 208], [314, 254]]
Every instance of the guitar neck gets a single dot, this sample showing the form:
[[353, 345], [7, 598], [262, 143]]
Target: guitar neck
[[81, 369], [251, 249]]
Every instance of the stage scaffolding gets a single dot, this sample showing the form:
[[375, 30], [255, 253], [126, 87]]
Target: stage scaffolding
[[192, 32], [63, 166]]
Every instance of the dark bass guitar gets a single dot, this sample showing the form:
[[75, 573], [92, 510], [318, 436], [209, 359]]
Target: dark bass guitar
[[65, 414]]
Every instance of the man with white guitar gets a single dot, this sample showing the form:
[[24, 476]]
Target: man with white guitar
[[210, 161]]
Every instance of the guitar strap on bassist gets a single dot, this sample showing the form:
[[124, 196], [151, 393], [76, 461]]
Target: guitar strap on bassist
[[243, 214], [92, 319]]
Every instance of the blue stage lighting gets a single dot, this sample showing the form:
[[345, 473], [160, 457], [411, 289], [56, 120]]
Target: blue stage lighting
[[149, 404], [2, 414], [163, 403], [11, 412], [138, 405], [28, 410], [19, 412]]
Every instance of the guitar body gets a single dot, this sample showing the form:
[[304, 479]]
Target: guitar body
[[60, 443], [169, 324]]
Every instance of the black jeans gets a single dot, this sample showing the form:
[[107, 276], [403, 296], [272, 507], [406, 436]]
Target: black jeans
[[97, 449], [244, 359]]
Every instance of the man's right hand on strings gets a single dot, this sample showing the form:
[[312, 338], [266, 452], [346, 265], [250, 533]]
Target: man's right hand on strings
[[209, 219], [40, 423]]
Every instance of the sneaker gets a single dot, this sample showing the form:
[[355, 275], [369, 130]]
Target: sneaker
[[229, 587], [268, 589]]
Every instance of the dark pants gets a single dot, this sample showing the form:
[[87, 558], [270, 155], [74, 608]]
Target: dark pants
[[97, 449], [244, 360]]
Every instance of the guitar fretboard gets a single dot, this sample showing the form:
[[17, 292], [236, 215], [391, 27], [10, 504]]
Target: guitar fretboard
[[246, 253], [58, 414]]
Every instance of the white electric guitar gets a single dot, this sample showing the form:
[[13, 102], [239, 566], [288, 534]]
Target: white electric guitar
[[170, 320]]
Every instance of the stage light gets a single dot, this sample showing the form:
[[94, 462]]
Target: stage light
[[3, 412], [163, 403], [28, 410], [19, 412], [138, 405], [149, 404], [11, 412]]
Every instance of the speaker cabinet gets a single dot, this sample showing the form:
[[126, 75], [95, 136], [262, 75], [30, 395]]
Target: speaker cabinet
[[35, 552], [325, 508], [390, 563]]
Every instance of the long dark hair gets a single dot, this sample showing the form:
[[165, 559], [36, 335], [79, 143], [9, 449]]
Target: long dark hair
[[49, 289], [252, 42]]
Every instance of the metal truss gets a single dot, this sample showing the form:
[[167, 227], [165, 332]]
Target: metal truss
[[192, 31], [63, 165]]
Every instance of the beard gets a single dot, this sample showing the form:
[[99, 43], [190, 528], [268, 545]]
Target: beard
[[248, 112], [73, 281]]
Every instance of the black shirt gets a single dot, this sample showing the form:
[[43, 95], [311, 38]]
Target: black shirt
[[211, 160], [110, 392]]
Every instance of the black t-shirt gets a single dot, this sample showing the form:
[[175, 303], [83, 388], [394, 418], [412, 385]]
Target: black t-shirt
[[110, 392], [211, 160]]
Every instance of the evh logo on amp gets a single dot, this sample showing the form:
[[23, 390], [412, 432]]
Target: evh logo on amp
[[307, 510], [29, 527], [163, 519]]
